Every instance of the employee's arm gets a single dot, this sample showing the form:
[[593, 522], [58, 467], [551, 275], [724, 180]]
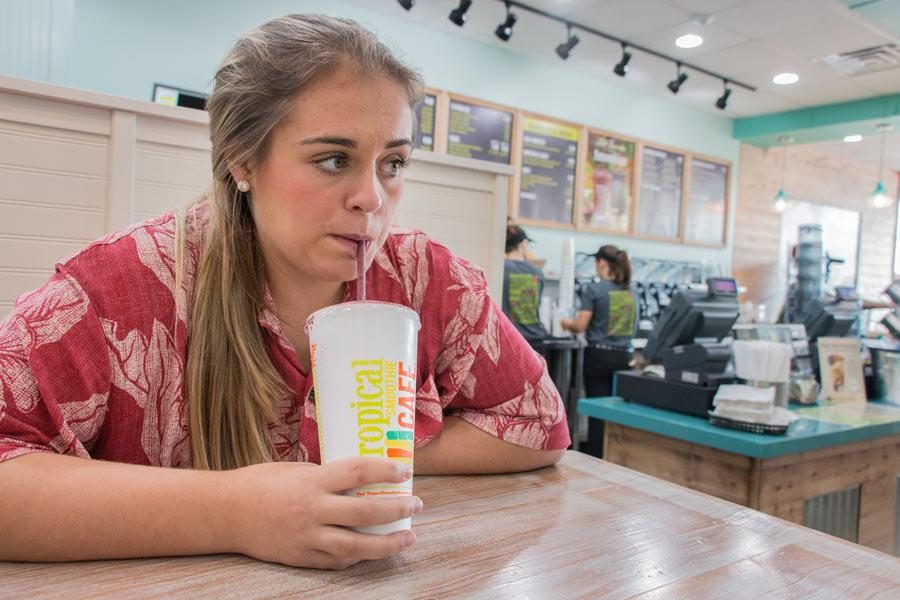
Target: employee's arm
[[58, 508], [579, 324], [461, 448]]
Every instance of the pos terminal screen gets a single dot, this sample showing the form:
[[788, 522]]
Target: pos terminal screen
[[719, 285]]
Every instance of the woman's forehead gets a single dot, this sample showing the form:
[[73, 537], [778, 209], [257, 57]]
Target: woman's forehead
[[351, 105]]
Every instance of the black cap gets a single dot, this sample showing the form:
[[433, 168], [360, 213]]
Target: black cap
[[515, 235]]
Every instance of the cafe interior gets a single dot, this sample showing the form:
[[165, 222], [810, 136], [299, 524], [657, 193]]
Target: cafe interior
[[689, 209]]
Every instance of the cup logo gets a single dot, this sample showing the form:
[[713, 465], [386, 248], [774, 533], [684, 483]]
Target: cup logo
[[385, 400]]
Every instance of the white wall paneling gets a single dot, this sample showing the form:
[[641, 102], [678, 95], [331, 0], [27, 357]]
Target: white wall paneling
[[76, 165]]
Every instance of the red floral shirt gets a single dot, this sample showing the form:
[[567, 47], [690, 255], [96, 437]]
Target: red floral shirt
[[92, 364]]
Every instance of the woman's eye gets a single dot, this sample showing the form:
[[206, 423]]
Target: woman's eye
[[395, 165], [332, 164]]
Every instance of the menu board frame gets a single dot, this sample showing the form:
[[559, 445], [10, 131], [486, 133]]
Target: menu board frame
[[584, 150], [686, 207], [576, 223], [639, 171], [445, 131], [518, 147], [438, 120]]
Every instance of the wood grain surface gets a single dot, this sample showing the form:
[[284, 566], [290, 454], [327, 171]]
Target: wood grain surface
[[583, 529]]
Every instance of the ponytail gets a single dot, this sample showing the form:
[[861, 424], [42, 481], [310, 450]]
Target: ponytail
[[622, 268]]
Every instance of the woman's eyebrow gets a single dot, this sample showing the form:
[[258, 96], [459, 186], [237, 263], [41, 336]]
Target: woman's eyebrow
[[336, 141], [398, 142], [349, 143]]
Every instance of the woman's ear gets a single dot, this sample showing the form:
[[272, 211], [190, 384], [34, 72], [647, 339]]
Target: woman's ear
[[240, 173]]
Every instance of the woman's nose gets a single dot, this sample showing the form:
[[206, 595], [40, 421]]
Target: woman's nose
[[367, 193]]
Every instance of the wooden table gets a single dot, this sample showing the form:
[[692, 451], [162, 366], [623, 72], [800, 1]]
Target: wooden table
[[583, 529], [837, 468]]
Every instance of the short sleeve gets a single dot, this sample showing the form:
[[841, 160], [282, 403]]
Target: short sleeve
[[54, 372], [588, 296], [485, 372]]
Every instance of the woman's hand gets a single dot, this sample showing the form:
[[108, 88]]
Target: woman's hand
[[296, 514]]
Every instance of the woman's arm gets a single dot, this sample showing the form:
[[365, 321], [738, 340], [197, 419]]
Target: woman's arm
[[580, 323], [462, 449], [55, 508]]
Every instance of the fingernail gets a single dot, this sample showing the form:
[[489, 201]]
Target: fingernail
[[408, 539], [417, 505], [406, 472]]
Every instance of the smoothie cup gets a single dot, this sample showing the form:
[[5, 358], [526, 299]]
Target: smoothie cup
[[363, 358]]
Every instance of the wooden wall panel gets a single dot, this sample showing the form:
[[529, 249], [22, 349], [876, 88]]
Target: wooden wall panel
[[811, 175]]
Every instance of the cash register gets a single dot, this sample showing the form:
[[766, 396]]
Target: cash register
[[687, 343]]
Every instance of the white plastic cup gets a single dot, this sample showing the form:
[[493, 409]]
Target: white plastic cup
[[363, 358]]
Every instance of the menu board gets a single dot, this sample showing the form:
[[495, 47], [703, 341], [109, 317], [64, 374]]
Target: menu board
[[548, 170], [479, 132], [425, 118], [659, 210], [705, 221], [609, 170]]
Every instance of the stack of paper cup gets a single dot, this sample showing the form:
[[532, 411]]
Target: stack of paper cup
[[762, 361], [364, 370], [765, 363]]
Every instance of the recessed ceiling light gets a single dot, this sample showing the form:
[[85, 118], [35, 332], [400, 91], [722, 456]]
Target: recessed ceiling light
[[853, 138], [785, 78], [689, 40]]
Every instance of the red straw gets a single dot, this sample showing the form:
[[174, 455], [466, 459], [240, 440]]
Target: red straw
[[361, 270]]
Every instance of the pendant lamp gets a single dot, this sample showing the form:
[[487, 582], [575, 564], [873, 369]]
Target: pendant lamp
[[879, 198], [780, 202]]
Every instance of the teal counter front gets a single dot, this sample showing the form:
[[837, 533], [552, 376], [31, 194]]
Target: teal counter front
[[845, 456]]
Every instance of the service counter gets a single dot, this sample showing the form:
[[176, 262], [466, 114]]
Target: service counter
[[835, 470]]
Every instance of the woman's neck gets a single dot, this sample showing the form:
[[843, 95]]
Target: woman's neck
[[296, 298]]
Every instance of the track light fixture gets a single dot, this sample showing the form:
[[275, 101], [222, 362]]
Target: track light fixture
[[676, 83], [722, 102], [564, 49], [621, 68], [458, 14], [504, 30]]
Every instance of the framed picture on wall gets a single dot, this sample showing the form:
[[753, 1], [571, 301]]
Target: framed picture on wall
[[707, 204], [606, 199], [547, 185], [479, 131], [659, 200]]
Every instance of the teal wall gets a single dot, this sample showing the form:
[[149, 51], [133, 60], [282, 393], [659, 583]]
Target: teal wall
[[122, 47]]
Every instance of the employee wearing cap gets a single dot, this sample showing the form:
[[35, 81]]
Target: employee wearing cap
[[523, 284], [608, 315]]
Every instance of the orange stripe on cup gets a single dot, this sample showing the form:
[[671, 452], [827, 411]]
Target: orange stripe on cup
[[399, 453]]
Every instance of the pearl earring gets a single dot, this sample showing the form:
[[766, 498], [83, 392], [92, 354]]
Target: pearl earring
[[243, 185]]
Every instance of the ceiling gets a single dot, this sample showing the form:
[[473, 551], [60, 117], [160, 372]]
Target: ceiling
[[745, 40]]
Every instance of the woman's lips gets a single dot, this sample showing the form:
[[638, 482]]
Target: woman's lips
[[350, 244]]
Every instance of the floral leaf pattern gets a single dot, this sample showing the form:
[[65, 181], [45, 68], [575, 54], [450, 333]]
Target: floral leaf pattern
[[471, 362], [41, 317]]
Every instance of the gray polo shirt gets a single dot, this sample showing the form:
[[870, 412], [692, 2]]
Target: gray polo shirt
[[614, 318], [523, 284]]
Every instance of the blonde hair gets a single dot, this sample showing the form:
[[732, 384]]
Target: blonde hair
[[233, 387]]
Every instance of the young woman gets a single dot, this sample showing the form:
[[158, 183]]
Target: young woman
[[180, 342], [608, 315]]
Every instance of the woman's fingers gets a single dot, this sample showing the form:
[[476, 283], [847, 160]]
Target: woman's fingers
[[345, 543], [348, 511], [318, 559], [350, 473]]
